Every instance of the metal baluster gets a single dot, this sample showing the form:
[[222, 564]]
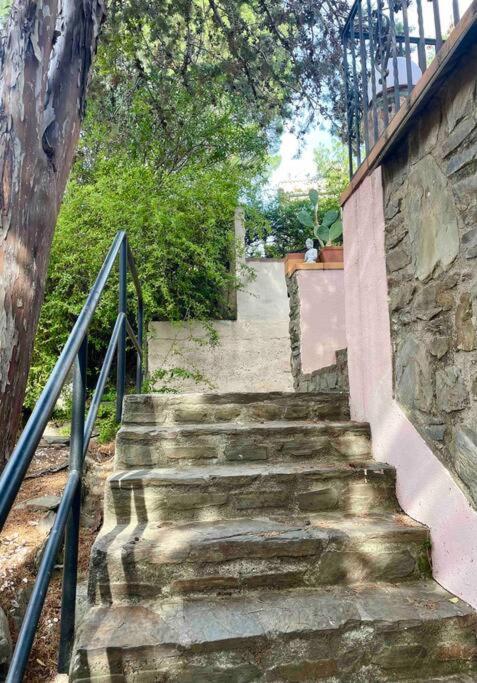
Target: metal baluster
[[407, 48], [70, 564], [422, 42], [356, 96], [455, 7], [348, 105], [437, 23], [397, 97], [122, 308], [384, 65], [140, 335], [373, 72], [364, 77]]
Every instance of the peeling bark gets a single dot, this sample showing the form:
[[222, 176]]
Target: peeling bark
[[46, 51]]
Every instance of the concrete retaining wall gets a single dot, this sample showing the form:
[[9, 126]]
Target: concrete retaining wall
[[253, 352]]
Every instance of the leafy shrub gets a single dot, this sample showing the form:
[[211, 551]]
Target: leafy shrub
[[180, 232]]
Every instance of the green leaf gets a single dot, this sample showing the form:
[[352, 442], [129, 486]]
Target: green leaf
[[336, 231], [305, 219], [322, 234], [330, 217], [314, 197]]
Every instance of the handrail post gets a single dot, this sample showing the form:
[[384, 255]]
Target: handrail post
[[70, 563], [140, 338], [122, 308]]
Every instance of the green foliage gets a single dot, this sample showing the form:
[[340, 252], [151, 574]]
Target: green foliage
[[179, 222], [168, 381], [179, 232], [332, 169], [276, 220], [273, 56], [331, 229], [285, 223], [106, 421]]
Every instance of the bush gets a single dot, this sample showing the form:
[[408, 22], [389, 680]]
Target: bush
[[180, 232]]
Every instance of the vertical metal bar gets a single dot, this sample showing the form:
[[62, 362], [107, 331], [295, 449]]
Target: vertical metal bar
[[437, 23], [364, 78], [122, 308], [140, 338], [28, 629], [422, 42], [407, 42], [356, 96], [70, 564], [397, 94], [455, 7], [348, 105], [384, 65], [373, 72]]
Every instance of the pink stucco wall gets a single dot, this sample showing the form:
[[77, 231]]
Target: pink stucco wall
[[426, 490], [322, 317]]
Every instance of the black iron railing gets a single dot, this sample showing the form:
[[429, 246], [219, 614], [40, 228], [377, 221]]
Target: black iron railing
[[66, 525], [387, 46]]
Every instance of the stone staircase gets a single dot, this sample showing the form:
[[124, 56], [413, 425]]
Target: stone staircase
[[252, 537]]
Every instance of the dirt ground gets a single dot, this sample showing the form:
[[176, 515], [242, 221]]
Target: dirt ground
[[21, 542]]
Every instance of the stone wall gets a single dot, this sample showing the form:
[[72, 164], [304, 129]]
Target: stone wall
[[430, 198], [330, 378]]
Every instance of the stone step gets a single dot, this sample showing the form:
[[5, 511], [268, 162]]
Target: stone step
[[245, 490], [227, 407], [359, 634], [149, 446], [133, 562]]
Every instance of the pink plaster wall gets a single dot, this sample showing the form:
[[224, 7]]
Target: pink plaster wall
[[322, 317], [425, 489]]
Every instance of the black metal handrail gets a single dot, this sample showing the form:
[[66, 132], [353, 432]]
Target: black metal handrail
[[67, 520], [383, 62]]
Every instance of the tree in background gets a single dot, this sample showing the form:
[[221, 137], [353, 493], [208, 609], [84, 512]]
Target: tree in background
[[276, 225], [276, 56], [332, 170]]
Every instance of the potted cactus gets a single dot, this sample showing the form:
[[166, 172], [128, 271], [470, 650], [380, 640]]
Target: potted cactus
[[329, 232], [330, 236]]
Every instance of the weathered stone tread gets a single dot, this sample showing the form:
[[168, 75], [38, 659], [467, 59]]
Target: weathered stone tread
[[351, 630], [227, 491], [278, 440], [215, 473], [130, 562], [219, 407]]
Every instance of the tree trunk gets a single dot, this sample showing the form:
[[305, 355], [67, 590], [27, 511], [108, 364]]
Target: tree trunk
[[46, 51]]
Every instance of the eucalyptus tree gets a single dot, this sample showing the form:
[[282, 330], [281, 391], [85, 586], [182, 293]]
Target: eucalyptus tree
[[46, 51]]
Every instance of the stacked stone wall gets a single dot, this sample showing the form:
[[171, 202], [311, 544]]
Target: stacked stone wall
[[430, 195]]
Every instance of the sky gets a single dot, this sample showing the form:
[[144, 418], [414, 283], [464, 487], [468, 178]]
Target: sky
[[296, 165]]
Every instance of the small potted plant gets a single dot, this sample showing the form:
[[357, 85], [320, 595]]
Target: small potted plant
[[329, 232]]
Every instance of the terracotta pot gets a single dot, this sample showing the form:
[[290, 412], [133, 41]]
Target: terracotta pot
[[331, 254]]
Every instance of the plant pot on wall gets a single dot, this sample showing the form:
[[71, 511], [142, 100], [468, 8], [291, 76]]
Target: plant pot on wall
[[331, 254]]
